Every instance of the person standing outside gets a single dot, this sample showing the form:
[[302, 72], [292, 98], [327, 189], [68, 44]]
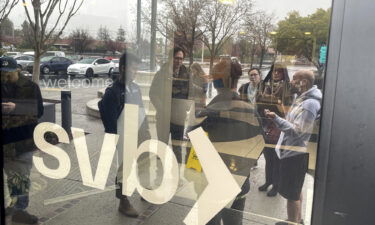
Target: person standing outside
[[21, 106], [171, 82], [124, 90], [296, 131], [250, 90], [275, 91]]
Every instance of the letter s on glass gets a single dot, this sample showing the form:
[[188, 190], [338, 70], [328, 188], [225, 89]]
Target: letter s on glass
[[63, 158]]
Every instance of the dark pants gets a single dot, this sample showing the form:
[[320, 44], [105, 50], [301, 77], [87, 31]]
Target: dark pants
[[233, 215], [177, 133], [272, 166], [18, 178]]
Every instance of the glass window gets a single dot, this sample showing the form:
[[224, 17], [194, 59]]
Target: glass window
[[211, 116]]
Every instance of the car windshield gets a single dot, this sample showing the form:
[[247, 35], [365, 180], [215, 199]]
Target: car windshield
[[115, 60], [46, 59], [86, 61]]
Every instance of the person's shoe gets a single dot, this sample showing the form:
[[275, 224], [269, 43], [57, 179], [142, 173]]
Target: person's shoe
[[282, 223], [272, 192], [263, 187], [286, 223], [126, 208], [22, 216]]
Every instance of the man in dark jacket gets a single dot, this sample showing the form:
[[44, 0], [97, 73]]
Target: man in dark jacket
[[171, 82], [124, 90], [234, 130], [21, 106]]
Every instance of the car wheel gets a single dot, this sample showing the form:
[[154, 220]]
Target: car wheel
[[89, 73], [110, 72], [45, 70]]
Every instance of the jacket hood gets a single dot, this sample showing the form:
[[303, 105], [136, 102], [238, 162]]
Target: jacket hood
[[312, 93]]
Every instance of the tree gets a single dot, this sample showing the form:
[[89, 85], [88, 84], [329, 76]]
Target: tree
[[81, 40], [187, 18], [181, 22], [300, 36], [6, 27], [103, 34], [6, 7], [222, 21], [27, 35], [48, 21], [120, 35], [259, 26], [108, 44]]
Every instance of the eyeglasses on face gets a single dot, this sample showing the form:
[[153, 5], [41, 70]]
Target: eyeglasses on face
[[178, 58]]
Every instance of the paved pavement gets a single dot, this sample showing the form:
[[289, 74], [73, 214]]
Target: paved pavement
[[68, 201]]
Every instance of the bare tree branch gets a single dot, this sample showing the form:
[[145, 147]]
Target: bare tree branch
[[6, 7], [43, 13], [222, 22]]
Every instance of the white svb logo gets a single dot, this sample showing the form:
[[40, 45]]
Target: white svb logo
[[221, 189]]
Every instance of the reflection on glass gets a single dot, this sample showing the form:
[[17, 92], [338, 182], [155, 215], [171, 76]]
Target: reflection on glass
[[248, 72]]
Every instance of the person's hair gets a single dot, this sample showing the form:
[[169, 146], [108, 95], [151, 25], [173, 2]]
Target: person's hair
[[126, 59], [198, 68], [306, 74], [178, 49], [275, 66], [254, 68]]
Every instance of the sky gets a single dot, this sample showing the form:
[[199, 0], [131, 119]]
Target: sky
[[116, 13]]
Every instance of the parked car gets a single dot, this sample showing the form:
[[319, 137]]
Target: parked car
[[116, 69], [23, 61], [51, 64], [13, 54], [48, 53], [74, 58], [145, 65], [91, 66]]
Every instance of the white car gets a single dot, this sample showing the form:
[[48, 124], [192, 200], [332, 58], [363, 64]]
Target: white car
[[91, 66], [23, 61], [48, 53], [13, 54]]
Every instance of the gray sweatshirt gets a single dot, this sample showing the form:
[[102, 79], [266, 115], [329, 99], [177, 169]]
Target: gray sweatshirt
[[297, 127]]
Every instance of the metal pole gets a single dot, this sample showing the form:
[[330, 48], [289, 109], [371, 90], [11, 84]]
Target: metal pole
[[314, 48], [202, 52], [153, 35], [66, 110], [139, 8], [166, 42]]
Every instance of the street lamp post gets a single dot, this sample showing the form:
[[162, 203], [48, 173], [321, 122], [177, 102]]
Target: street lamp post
[[139, 8], [153, 35], [314, 45], [274, 33]]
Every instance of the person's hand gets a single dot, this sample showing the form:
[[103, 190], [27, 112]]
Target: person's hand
[[8, 107], [269, 114]]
